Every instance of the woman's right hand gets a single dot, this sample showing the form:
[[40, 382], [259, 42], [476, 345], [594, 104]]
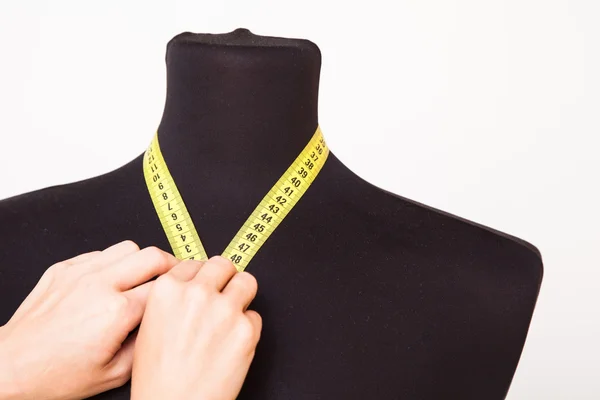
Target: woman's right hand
[[197, 338]]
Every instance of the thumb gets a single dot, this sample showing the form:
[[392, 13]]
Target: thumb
[[118, 370]]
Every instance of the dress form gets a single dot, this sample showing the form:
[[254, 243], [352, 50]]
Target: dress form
[[364, 294]]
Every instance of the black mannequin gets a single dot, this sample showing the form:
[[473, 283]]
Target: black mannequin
[[363, 294]]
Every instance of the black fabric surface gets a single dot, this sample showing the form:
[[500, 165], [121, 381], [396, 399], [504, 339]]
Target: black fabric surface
[[364, 294]]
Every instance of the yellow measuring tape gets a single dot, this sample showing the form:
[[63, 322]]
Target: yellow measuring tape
[[272, 209]]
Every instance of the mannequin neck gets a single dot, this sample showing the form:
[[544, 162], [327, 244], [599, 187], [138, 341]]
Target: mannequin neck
[[239, 99]]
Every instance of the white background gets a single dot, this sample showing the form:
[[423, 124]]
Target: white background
[[485, 109]]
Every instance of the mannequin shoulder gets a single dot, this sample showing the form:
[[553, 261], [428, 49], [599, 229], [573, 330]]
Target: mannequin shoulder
[[384, 216], [67, 210]]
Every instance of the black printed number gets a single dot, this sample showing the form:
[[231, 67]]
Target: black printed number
[[243, 247], [259, 227], [281, 200], [303, 173]]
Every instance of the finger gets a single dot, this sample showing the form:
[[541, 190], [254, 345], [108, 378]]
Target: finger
[[256, 321], [216, 272], [118, 370], [186, 270], [81, 258], [116, 252], [140, 267], [137, 300], [242, 288]]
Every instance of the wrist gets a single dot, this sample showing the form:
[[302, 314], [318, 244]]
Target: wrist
[[9, 388]]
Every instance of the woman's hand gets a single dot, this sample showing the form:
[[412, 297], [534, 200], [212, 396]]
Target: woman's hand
[[197, 339], [69, 338]]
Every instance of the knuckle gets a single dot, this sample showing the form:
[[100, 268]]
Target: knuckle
[[223, 262], [198, 293], [120, 373], [153, 251], [220, 260], [57, 267], [245, 331], [165, 282], [119, 304], [54, 271], [50, 275], [255, 320], [61, 265], [155, 254], [256, 316], [227, 309], [130, 245], [248, 280]]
